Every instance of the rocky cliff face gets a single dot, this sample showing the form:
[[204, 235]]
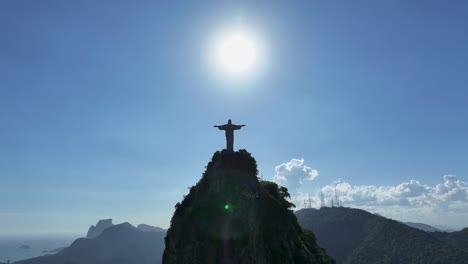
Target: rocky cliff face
[[95, 231], [231, 217]]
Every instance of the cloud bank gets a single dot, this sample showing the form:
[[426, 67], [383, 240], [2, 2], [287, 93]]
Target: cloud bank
[[452, 193], [443, 203]]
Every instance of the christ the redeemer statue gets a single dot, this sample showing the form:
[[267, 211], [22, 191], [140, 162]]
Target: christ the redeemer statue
[[229, 128]]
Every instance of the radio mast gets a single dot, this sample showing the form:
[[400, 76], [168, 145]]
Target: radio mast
[[337, 199], [322, 198]]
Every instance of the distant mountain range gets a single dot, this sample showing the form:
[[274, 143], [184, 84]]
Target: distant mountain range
[[116, 244], [96, 230], [445, 228], [356, 236], [421, 226], [349, 236]]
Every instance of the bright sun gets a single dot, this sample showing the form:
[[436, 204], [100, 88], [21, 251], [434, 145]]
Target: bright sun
[[237, 52]]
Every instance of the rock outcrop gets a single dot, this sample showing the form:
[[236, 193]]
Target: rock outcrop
[[95, 231], [229, 216]]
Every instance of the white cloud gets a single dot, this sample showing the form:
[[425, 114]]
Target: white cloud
[[452, 189], [412, 193], [444, 203], [293, 173]]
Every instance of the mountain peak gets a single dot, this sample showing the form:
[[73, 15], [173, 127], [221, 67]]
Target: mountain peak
[[95, 230], [231, 217]]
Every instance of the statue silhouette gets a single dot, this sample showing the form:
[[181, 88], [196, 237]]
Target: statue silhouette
[[229, 128]]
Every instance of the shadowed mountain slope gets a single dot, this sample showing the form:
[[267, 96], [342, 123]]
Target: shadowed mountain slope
[[356, 236], [119, 244], [457, 239]]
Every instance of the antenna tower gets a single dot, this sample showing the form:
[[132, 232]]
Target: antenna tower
[[336, 198], [322, 198]]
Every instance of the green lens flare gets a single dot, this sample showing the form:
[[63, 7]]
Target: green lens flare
[[226, 206]]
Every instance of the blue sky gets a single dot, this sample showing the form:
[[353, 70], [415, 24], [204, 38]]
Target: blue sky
[[107, 107]]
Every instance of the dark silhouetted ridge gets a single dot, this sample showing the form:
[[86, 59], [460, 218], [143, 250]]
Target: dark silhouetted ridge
[[119, 244], [458, 239], [356, 236], [231, 217]]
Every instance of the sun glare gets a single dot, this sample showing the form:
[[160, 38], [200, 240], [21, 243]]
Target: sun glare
[[236, 53]]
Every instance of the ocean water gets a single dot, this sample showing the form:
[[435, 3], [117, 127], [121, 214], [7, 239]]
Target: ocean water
[[10, 246]]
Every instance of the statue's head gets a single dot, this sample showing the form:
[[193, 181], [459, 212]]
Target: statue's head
[[229, 121]]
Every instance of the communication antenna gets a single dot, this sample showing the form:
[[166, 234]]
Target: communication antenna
[[307, 202], [322, 198], [336, 198]]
